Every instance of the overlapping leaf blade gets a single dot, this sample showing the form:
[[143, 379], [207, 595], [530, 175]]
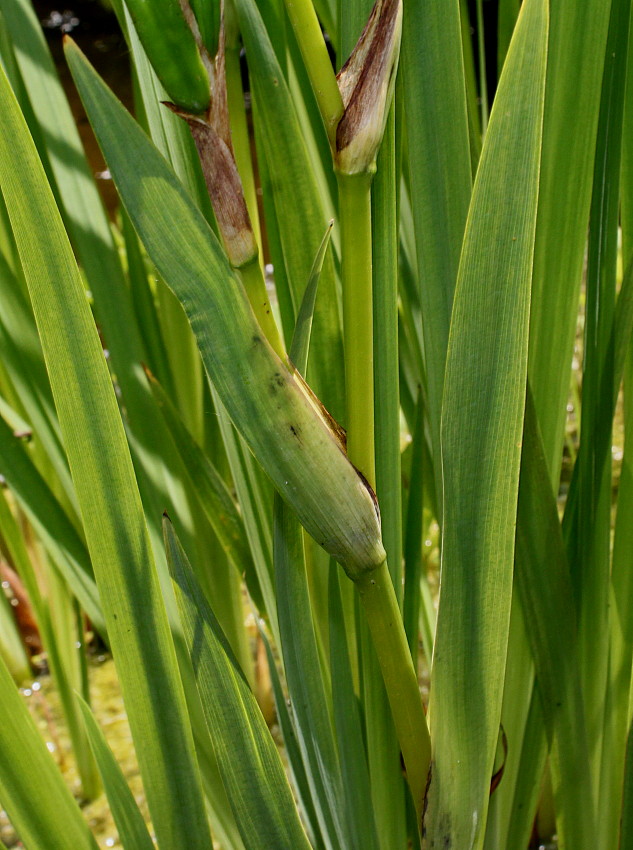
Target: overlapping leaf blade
[[482, 421], [255, 781], [107, 492], [545, 589], [27, 774], [294, 187], [129, 820], [440, 175]]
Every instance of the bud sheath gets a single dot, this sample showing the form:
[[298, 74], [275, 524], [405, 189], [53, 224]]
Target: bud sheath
[[366, 83]]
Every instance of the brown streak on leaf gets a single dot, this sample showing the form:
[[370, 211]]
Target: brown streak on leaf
[[498, 775], [425, 802], [337, 430]]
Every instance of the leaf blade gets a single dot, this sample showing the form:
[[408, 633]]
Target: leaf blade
[[27, 769], [129, 821], [255, 782], [482, 419], [107, 491]]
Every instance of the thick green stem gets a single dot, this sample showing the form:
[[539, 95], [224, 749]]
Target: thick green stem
[[385, 623], [318, 65], [386, 377], [375, 588], [255, 286], [355, 217], [240, 137]]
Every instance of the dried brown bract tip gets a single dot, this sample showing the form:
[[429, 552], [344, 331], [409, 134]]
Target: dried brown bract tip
[[225, 189], [366, 84], [212, 136]]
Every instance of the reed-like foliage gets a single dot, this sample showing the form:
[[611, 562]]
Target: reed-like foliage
[[185, 440]]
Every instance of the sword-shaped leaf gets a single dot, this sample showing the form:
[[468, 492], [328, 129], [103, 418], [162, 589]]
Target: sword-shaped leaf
[[482, 422], [107, 492], [250, 765]]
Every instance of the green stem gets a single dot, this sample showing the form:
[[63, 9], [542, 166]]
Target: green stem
[[240, 137], [481, 50], [355, 217], [376, 588], [255, 286], [385, 623], [386, 375], [317, 61]]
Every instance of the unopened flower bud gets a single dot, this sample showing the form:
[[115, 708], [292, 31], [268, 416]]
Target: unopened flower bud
[[212, 136], [366, 84]]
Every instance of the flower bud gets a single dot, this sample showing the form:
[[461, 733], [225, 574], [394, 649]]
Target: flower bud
[[225, 190], [211, 133], [366, 84]]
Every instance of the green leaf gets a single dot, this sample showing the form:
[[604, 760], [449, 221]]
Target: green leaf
[[507, 16], [107, 492], [352, 18], [251, 769], [617, 728], [386, 379], [617, 724], [254, 497], [578, 34], [545, 589], [518, 696], [388, 791], [354, 767], [172, 138], [22, 357], [32, 790], [294, 186], [145, 306], [291, 746], [482, 423], [262, 395], [51, 522], [82, 209], [413, 560], [626, 837], [129, 821], [472, 89], [173, 50], [217, 502], [440, 176], [327, 11], [587, 521], [309, 695], [533, 760], [303, 328]]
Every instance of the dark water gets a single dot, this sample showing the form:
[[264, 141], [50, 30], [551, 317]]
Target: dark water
[[96, 31]]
